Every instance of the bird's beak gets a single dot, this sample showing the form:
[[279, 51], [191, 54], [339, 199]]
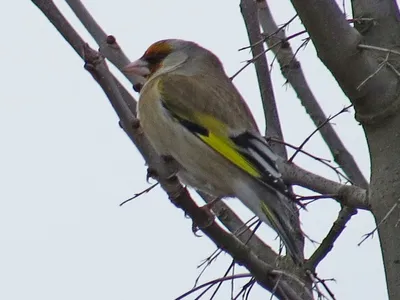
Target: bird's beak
[[139, 70], [138, 67]]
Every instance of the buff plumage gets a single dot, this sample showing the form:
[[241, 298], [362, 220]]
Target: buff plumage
[[190, 111]]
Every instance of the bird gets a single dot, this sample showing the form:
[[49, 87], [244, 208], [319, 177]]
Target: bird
[[190, 110]]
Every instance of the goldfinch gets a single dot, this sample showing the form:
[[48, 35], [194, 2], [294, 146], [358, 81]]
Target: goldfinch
[[190, 111]]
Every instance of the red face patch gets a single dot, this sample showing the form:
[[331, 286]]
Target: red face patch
[[155, 54], [160, 47]]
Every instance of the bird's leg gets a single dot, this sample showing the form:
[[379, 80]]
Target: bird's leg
[[211, 204], [207, 208], [151, 173], [171, 164]]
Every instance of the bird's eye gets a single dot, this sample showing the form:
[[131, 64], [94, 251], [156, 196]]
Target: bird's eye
[[156, 58]]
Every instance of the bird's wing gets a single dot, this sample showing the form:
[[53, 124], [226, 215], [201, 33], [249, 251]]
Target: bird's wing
[[245, 148], [210, 96]]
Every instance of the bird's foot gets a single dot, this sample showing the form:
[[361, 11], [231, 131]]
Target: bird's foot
[[210, 217]]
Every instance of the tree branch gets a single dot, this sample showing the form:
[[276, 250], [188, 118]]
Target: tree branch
[[349, 195], [128, 121], [292, 71], [235, 225], [349, 66], [53, 14], [95, 64], [107, 43], [384, 28], [323, 20], [381, 120], [273, 126], [111, 50], [176, 192], [327, 243]]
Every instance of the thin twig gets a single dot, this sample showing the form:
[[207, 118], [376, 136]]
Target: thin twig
[[380, 66], [108, 45], [140, 193], [327, 244], [317, 129], [369, 234], [216, 253], [316, 280], [290, 276], [233, 281], [295, 77], [315, 286], [245, 287], [231, 267], [393, 69], [275, 140], [212, 282], [237, 227], [327, 289], [238, 233], [324, 161], [273, 125], [249, 289], [275, 286], [316, 197], [376, 48], [256, 57], [266, 37]]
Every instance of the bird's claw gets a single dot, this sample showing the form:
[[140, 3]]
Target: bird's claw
[[207, 222]]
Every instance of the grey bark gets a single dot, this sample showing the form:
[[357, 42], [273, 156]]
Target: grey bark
[[376, 101]]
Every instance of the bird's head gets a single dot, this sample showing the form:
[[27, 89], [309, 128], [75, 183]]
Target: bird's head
[[169, 55]]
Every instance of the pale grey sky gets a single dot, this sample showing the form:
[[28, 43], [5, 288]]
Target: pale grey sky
[[65, 165]]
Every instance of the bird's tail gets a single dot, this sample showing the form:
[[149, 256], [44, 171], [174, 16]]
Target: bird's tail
[[283, 221], [275, 210]]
